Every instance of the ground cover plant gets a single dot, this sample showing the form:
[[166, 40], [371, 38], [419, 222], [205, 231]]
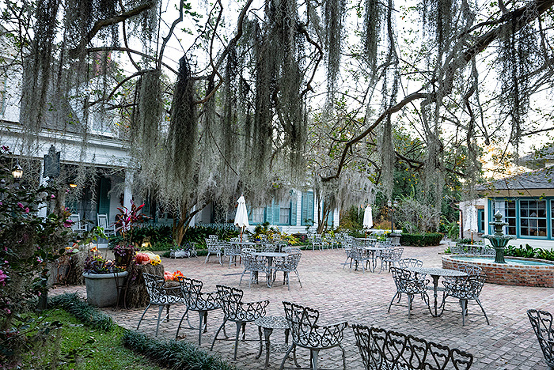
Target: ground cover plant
[[68, 343]]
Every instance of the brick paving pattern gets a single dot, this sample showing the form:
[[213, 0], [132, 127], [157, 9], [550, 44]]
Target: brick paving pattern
[[345, 294]]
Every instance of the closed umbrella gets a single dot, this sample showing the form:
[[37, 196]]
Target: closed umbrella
[[368, 218], [241, 218]]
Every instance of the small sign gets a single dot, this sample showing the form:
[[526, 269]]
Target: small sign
[[51, 163]]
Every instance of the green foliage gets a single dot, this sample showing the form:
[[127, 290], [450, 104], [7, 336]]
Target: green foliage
[[449, 228], [61, 341], [173, 354], [529, 252], [352, 219], [89, 315], [421, 240], [28, 243]]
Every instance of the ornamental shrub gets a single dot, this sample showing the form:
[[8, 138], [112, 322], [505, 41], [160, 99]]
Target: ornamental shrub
[[28, 243], [421, 240]]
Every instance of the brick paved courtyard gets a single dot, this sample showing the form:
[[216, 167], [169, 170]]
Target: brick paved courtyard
[[344, 294]]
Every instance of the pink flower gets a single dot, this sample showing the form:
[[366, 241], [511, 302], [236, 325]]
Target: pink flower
[[27, 210], [1, 204], [8, 311], [52, 196], [20, 205], [39, 260], [3, 277], [67, 223]]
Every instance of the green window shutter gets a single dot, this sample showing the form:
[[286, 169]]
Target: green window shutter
[[103, 200], [308, 208], [293, 205]]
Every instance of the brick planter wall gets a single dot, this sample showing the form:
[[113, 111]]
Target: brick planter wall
[[525, 275]]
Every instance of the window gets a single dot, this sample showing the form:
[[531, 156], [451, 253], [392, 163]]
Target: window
[[508, 210], [284, 212], [532, 217], [257, 215]]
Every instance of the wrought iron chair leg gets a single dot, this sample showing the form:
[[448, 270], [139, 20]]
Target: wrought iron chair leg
[[463, 303], [200, 328], [205, 321], [313, 358], [392, 300], [207, 257], [237, 339], [482, 309], [287, 355], [144, 313], [181, 321], [410, 298], [343, 357], [217, 332], [298, 276], [160, 310]]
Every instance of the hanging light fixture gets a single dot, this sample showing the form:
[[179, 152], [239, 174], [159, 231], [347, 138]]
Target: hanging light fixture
[[17, 172]]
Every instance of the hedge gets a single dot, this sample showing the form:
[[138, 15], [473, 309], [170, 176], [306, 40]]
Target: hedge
[[421, 240]]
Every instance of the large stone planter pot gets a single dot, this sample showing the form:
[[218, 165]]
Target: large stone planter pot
[[102, 288]]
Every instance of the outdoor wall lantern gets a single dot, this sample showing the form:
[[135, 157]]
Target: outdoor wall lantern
[[17, 172]]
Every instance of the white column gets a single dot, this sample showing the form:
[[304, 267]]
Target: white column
[[43, 206], [127, 193]]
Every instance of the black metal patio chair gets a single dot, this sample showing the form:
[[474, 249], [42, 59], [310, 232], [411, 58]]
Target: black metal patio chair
[[237, 311], [160, 295], [196, 300], [306, 333], [465, 289], [541, 321], [386, 350], [409, 283]]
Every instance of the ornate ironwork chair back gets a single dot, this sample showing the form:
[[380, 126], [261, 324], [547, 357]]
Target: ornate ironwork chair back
[[292, 250], [158, 293], [383, 350], [470, 269], [465, 288], [409, 262], [195, 299], [233, 307], [541, 321], [408, 281]]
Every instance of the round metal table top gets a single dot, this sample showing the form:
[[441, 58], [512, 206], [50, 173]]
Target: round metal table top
[[437, 271], [272, 322]]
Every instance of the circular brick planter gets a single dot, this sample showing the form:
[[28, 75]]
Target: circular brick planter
[[507, 274]]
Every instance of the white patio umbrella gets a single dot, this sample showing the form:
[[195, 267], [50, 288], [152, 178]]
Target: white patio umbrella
[[368, 218], [241, 218]]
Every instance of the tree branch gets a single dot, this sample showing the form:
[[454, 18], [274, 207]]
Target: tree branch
[[73, 53]]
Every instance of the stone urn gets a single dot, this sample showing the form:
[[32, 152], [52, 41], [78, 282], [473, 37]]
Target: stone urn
[[103, 289]]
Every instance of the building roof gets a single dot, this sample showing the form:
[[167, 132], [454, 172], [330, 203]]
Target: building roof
[[538, 179], [539, 158]]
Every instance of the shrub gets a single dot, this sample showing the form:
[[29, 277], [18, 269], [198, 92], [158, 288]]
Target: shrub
[[173, 354], [421, 240], [87, 314]]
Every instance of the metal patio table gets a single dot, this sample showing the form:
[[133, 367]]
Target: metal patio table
[[436, 273], [268, 323], [270, 256]]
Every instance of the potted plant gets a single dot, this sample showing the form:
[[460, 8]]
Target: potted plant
[[103, 280]]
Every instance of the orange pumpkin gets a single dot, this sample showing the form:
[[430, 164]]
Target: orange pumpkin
[[142, 258]]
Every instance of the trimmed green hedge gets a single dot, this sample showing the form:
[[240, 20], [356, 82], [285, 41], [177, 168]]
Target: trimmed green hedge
[[421, 240], [173, 354], [86, 313]]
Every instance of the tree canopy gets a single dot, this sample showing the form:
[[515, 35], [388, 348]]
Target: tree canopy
[[270, 95]]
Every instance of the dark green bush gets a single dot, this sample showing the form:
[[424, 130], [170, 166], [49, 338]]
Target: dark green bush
[[89, 315], [173, 354], [421, 240]]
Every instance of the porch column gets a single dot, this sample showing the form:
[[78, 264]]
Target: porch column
[[127, 193]]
